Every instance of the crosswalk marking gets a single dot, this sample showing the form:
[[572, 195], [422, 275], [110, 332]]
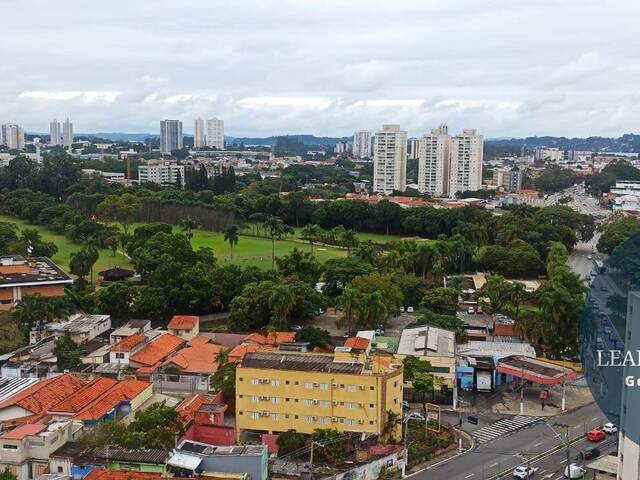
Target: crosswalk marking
[[503, 427]]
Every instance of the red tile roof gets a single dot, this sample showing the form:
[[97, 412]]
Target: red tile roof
[[201, 358], [275, 338], [43, 395], [239, 352], [121, 475], [84, 396], [125, 390], [357, 343], [158, 350], [129, 343], [23, 431], [183, 322]]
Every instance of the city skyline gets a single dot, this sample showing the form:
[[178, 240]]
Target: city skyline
[[260, 78]]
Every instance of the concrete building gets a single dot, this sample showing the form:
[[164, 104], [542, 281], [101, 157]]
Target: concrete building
[[67, 134], [544, 154], [350, 391], [362, 144], [26, 449], [465, 170], [20, 276], [215, 133], [55, 133], [626, 203], [413, 149], [81, 326], [390, 160], [433, 162], [508, 179], [199, 134], [191, 459], [626, 187], [12, 136], [186, 327], [170, 136], [161, 172], [438, 347]]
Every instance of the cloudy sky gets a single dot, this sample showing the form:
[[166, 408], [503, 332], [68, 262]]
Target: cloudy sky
[[326, 67]]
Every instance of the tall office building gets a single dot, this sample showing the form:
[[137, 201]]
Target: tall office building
[[55, 133], [390, 160], [170, 136], [465, 168], [509, 179], [198, 133], [362, 144], [215, 133], [67, 134], [12, 136], [433, 162]]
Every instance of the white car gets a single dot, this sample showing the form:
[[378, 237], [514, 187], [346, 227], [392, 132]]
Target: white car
[[524, 472], [409, 309], [506, 321], [610, 428], [471, 310], [574, 471], [401, 309]]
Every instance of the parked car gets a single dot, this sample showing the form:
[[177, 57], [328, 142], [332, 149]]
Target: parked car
[[471, 310], [524, 472], [589, 453], [409, 309], [590, 257], [596, 435], [610, 428], [296, 328], [415, 416], [380, 332], [574, 471], [401, 309], [506, 321]]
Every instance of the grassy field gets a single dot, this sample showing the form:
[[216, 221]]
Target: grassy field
[[362, 236], [253, 250], [250, 250], [66, 247]]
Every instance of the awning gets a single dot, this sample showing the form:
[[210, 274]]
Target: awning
[[534, 370], [185, 461]]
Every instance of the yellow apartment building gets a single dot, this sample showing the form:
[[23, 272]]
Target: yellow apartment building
[[348, 391]]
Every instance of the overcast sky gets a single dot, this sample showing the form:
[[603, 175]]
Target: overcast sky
[[325, 67]]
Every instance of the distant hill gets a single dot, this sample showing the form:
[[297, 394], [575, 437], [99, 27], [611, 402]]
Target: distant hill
[[118, 136], [628, 143], [309, 140]]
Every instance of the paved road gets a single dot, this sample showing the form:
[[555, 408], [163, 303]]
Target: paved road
[[506, 452]]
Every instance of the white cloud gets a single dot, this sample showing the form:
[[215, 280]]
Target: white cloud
[[327, 67]]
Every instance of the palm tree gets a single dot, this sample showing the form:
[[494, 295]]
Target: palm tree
[[231, 236], [311, 233], [222, 357], [275, 228], [281, 302], [349, 240], [348, 302], [188, 225]]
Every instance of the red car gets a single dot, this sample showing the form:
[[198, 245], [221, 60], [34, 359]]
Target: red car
[[596, 435]]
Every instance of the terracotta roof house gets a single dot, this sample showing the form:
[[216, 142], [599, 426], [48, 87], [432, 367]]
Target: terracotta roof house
[[275, 338], [101, 399], [39, 398], [200, 356], [156, 351], [238, 353], [357, 343], [186, 327]]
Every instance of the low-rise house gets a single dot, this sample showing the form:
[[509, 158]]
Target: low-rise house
[[37, 399], [78, 461], [21, 276], [190, 369], [100, 474], [438, 347], [156, 351], [82, 327], [204, 420], [26, 449], [273, 339], [186, 327], [132, 327], [121, 352], [195, 458]]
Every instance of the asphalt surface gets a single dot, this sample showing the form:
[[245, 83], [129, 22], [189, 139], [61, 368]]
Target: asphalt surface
[[502, 455]]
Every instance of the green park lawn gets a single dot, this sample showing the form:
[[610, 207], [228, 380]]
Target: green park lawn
[[66, 247]]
